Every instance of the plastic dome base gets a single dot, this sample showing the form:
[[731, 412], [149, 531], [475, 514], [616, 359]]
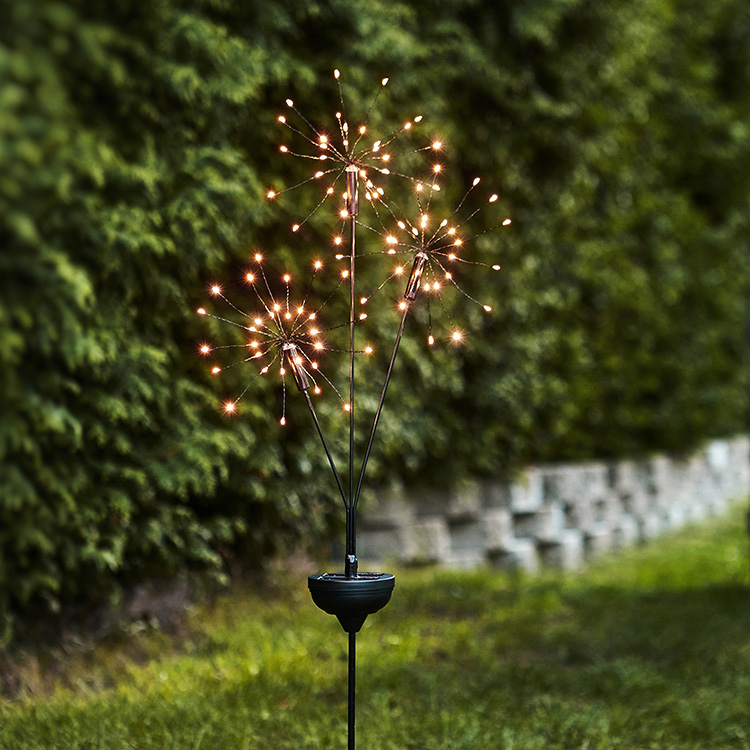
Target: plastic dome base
[[351, 599]]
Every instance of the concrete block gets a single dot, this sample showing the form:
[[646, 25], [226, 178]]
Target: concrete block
[[629, 477], [739, 467], [465, 503], [609, 508], [545, 524], [463, 559], [566, 552], [626, 531], [498, 528], [597, 541], [431, 503], [526, 492], [468, 534], [662, 475], [431, 540], [380, 545], [569, 482], [495, 495], [587, 514], [637, 502], [518, 554], [718, 454], [386, 512], [650, 526]]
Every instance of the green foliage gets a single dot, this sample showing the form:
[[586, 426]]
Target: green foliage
[[137, 142], [649, 648]]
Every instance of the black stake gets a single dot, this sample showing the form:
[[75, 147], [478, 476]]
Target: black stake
[[352, 205], [352, 685]]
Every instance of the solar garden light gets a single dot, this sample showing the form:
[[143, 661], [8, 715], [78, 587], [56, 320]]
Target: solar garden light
[[289, 335]]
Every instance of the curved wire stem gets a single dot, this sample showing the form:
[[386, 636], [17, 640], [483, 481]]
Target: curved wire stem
[[380, 407], [326, 449]]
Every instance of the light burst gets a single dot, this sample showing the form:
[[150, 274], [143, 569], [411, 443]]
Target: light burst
[[430, 248], [347, 157], [284, 336]]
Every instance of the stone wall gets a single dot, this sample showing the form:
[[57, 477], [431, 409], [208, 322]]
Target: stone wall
[[557, 514]]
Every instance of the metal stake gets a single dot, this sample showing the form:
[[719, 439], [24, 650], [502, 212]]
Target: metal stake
[[352, 685], [352, 205]]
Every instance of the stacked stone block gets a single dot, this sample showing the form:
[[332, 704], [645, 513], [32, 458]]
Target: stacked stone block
[[556, 514]]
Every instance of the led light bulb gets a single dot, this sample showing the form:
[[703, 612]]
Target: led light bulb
[[352, 201], [294, 360], [412, 286]]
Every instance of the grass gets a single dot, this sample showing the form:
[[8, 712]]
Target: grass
[[649, 648]]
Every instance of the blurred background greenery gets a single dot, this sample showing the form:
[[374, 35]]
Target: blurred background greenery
[[137, 141]]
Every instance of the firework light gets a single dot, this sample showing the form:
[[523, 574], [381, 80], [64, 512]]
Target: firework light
[[429, 248], [347, 156], [286, 336]]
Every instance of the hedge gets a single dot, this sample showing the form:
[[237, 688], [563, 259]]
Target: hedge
[[138, 141]]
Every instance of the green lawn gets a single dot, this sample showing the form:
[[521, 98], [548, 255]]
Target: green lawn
[[647, 649]]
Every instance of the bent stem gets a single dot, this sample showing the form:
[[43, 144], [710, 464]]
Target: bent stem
[[326, 449], [380, 406]]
